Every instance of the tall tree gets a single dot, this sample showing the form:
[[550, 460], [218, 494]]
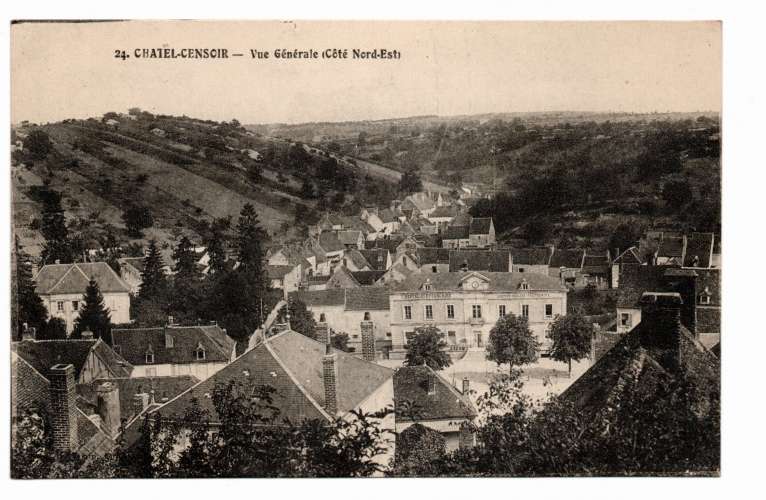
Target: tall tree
[[250, 238], [571, 335], [187, 284], [185, 260], [153, 279], [511, 341], [301, 319], [410, 182], [57, 246], [427, 347], [28, 306], [94, 315], [39, 144]]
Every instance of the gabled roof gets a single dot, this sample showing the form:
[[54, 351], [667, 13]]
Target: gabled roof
[[136, 263], [376, 257], [278, 272], [498, 261], [635, 279], [42, 354], [319, 298], [387, 216], [532, 256], [421, 201], [699, 246], [356, 257], [389, 244], [329, 242], [497, 281], [367, 278], [350, 237], [480, 225], [135, 343], [73, 278], [629, 256], [570, 258], [363, 298], [461, 219], [445, 211], [446, 402], [456, 233], [290, 363], [431, 255], [671, 246]]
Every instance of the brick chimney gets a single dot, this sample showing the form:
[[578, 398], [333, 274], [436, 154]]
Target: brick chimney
[[28, 333], [684, 282], [62, 407], [329, 378], [368, 340], [108, 403], [322, 332], [660, 327], [140, 402], [466, 385]]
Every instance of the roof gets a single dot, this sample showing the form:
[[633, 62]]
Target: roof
[[290, 363], [135, 343], [421, 201], [74, 278], [456, 233], [42, 354], [671, 246], [496, 281], [430, 255], [350, 237], [635, 279], [461, 219], [363, 298], [278, 272], [699, 246], [570, 258], [330, 243], [480, 225], [445, 211], [533, 256], [411, 385], [389, 244], [357, 258], [135, 262], [387, 216], [629, 256], [377, 258], [367, 278], [498, 261]]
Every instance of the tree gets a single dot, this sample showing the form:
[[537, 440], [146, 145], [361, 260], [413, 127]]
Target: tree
[[410, 182], [511, 341], [185, 260], [94, 315], [301, 319], [428, 347], [136, 219], [29, 309], [250, 237], [55, 329], [418, 451], [58, 246], [339, 341], [677, 193], [307, 190], [39, 144], [571, 335], [624, 236], [153, 280]]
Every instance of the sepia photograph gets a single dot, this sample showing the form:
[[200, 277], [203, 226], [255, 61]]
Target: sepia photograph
[[347, 249]]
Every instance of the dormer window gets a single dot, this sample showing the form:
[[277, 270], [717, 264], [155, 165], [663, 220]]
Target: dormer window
[[704, 297], [427, 285], [199, 353], [149, 356], [524, 285]]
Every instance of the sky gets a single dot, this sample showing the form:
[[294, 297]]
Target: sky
[[69, 70]]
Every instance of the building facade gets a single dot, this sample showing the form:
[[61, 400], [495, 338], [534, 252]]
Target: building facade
[[465, 306]]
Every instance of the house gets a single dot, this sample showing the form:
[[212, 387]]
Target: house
[[481, 232], [494, 261], [566, 265], [443, 216], [596, 270], [434, 260], [311, 381], [175, 350], [659, 349], [348, 310], [158, 132], [436, 404], [531, 260], [631, 256], [341, 277], [467, 305], [379, 259], [671, 251], [389, 217], [456, 237], [353, 239], [328, 243], [286, 278], [419, 204], [396, 273], [699, 250], [62, 287]]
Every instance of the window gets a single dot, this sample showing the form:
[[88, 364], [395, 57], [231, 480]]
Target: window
[[407, 312], [355, 336], [501, 310], [476, 311], [548, 310], [149, 358], [429, 311], [75, 305], [521, 269], [450, 311], [321, 318], [625, 319], [525, 311], [59, 306], [524, 285], [451, 336], [199, 353], [388, 334], [367, 316], [433, 269], [704, 299]]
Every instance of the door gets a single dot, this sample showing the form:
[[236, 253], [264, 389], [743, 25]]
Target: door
[[479, 340]]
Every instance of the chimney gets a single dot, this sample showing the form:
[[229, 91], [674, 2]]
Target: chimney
[[86, 335], [466, 385], [322, 332], [329, 378], [108, 403], [170, 321], [368, 340], [28, 333], [660, 327], [62, 407], [140, 402]]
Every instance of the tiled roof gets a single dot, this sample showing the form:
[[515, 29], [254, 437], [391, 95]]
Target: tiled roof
[[387, 216], [445, 211], [349, 237], [290, 363], [533, 256], [569, 258], [456, 233], [699, 245], [136, 263], [363, 298], [480, 225], [318, 298], [278, 272], [710, 280], [461, 219], [357, 258], [411, 385], [389, 244], [497, 281], [329, 242], [671, 246], [42, 354], [73, 278], [636, 279], [430, 255], [376, 257], [134, 343], [629, 256], [480, 260], [421, 201], [367, 278]]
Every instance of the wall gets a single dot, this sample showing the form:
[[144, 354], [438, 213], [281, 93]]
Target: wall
[[117, 303], [635, 318], [381, 398], [199, 370], [531, 268], [340, 320]]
